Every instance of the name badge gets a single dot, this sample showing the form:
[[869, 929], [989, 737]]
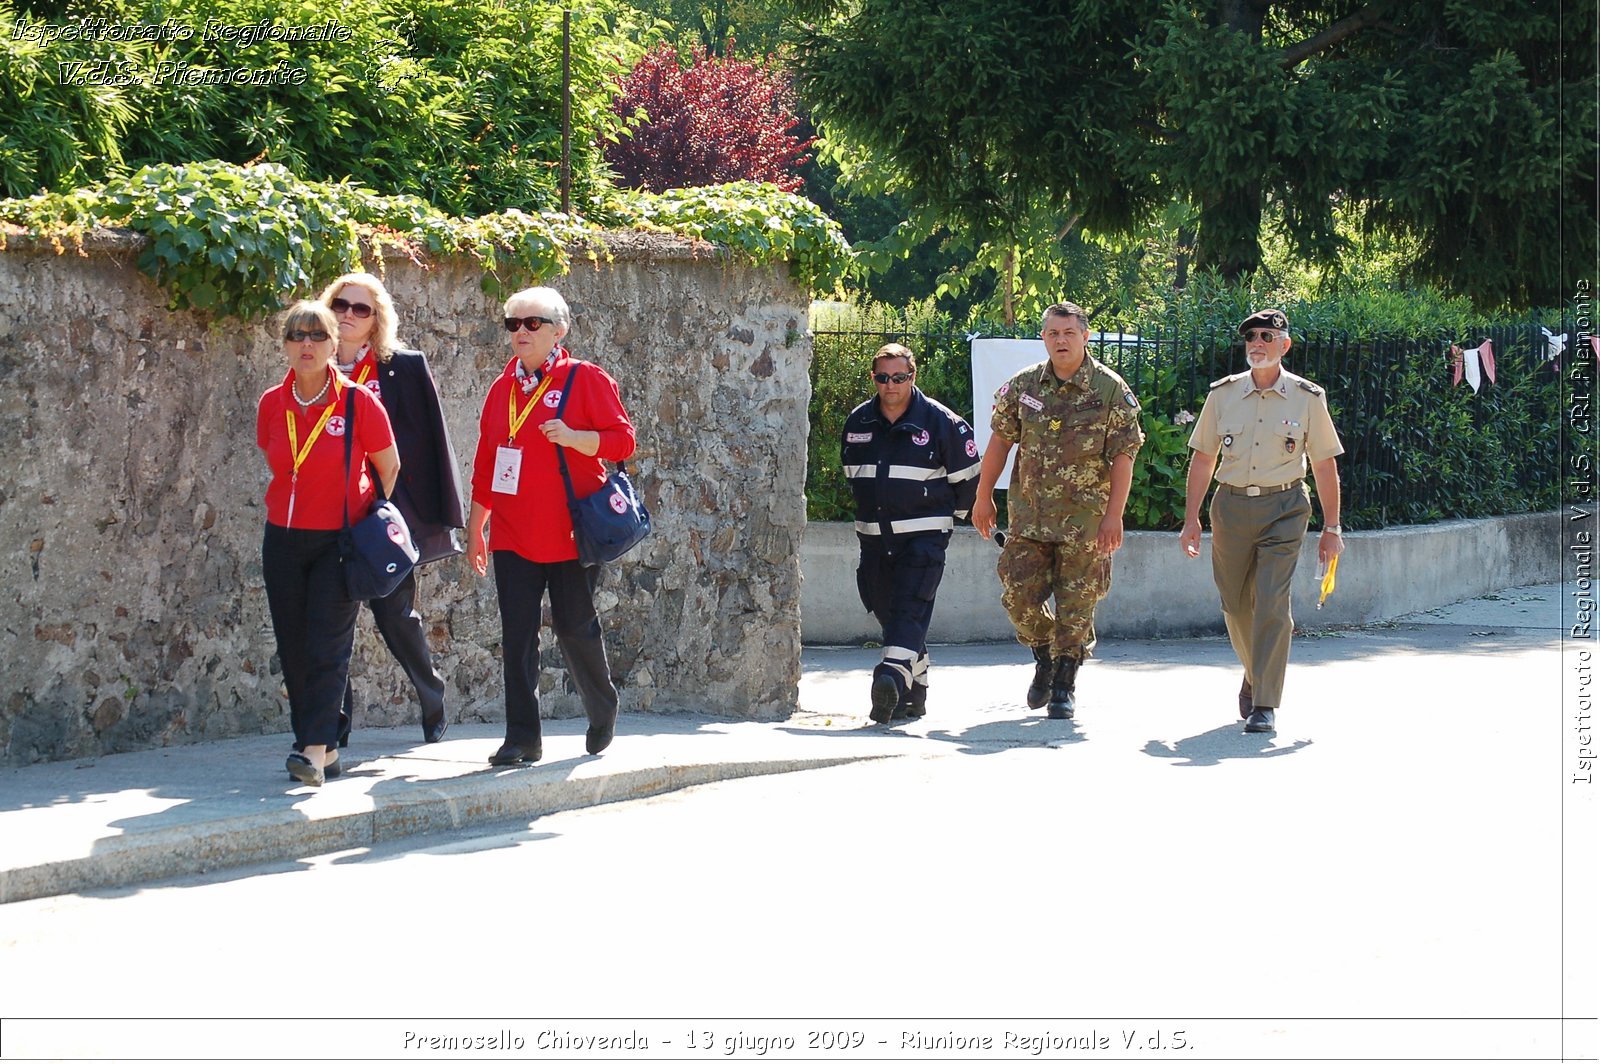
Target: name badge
[[858, 437], [507, 469], [1030, 402]]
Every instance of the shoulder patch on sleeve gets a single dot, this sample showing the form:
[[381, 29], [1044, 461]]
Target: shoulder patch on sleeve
[[1127, 397], [1312, 388]]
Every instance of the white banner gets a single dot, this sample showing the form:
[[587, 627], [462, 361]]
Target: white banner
[[995, 361]]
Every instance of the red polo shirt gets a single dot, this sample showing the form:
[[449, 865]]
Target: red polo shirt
[[313, 499], [535, 522]]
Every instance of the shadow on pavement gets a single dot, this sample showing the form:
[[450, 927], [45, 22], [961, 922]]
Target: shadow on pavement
[[1227, 743]]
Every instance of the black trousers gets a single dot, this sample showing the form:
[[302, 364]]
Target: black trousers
[[521, 585], [314, 620], [897, 580], [401, 627]]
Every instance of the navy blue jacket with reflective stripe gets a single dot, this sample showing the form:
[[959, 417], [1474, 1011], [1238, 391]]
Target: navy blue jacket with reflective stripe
[[916, 475]]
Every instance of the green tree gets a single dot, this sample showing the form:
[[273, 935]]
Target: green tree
[[456, 101], [1467, 126]]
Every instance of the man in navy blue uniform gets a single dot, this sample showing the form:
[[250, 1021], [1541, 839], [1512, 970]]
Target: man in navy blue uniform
[[913, 468]]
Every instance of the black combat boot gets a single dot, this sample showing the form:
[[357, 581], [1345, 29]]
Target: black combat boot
[[917, 708], [1039, 689], [1063, 702]]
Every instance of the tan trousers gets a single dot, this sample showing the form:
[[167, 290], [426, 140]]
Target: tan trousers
[[1255, 545]]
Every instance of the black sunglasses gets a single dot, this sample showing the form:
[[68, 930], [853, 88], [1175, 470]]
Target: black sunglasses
[[532, 321], [339, 306], [1265, 336], [897, 378], [294, 336]]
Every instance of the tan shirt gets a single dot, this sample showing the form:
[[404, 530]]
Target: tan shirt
[[1264, 436]]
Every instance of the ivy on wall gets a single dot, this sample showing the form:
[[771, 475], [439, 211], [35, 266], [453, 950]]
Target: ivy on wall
[[235, 240]]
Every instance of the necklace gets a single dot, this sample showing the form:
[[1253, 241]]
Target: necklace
[[294, 386]]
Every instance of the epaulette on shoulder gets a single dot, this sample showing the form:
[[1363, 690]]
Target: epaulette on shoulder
[[1308, 386], [1225, 380]]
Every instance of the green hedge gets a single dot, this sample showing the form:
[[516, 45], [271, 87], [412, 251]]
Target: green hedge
[[1417, 449]]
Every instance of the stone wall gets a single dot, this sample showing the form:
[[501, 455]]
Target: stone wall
[[131, 498]]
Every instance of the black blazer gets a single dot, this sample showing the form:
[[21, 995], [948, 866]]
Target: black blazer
[[429, 490]]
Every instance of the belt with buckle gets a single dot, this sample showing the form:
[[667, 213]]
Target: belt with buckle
[[1255, 489]]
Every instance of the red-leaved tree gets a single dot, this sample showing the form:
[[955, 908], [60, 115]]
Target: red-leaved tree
[[713, 121]]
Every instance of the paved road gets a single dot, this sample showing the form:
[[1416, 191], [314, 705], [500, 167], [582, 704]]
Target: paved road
[[1394, 854]]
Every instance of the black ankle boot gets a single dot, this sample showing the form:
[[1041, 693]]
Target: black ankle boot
[[1063, 684], [1043, 669]]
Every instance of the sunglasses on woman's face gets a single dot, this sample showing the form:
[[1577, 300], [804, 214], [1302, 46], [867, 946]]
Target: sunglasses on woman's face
[[533, 322], [339, 306], [294, 336]]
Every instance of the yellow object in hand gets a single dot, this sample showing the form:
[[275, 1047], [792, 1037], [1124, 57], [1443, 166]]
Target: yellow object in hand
[[1328, 581]]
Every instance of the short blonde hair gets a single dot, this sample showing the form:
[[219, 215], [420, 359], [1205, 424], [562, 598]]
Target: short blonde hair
[[384, 337], [306, 313]]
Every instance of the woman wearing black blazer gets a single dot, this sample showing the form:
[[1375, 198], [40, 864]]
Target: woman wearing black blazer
[[429, 491]]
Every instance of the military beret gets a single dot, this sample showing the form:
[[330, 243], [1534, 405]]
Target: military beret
[[1264, 319]]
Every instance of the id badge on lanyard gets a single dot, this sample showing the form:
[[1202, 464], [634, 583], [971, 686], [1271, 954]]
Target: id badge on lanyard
[[507, 469], [508, 456]]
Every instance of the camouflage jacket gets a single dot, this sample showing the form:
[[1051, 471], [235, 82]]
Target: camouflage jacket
[[1067, 432]]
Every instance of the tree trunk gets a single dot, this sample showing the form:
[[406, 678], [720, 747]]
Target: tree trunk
[[1230, 226], [1010, 269], [1229, 243], [1180, 276]]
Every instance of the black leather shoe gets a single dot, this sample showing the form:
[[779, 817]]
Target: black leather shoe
[[515, 754], [433, 731], [1260, 720], [301, 768], [1043, 670], [1063, 690], [1245, 705], [597, 739], [885, 695]]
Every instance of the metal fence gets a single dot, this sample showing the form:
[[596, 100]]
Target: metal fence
[[1417, 447]]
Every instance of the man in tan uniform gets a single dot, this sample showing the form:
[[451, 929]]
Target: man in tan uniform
[[1076, 425], [1264, 424]]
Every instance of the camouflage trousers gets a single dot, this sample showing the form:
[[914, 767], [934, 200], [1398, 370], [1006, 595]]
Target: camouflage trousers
[[1078, 575]]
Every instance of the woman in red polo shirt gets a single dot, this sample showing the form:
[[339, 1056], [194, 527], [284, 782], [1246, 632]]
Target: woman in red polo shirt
[[515, 477], [301, 428]]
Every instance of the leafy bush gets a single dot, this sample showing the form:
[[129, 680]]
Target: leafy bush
[[235, 240], [759, 220], [709, 122]]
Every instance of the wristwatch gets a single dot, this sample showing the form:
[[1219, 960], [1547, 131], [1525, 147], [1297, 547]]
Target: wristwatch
[[1337, 530]]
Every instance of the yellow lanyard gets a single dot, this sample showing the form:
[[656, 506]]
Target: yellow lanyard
[[514, 419], [297, 452], [366, 371]]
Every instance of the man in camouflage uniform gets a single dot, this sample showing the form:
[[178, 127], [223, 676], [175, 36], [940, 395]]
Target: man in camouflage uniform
[[1076, 426], [1256, 433]]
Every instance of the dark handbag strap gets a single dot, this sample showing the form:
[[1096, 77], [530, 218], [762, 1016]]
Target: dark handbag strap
[[561, 408], [349, 431]]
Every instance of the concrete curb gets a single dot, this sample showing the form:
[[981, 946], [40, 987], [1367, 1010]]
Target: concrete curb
[[294, 834]]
